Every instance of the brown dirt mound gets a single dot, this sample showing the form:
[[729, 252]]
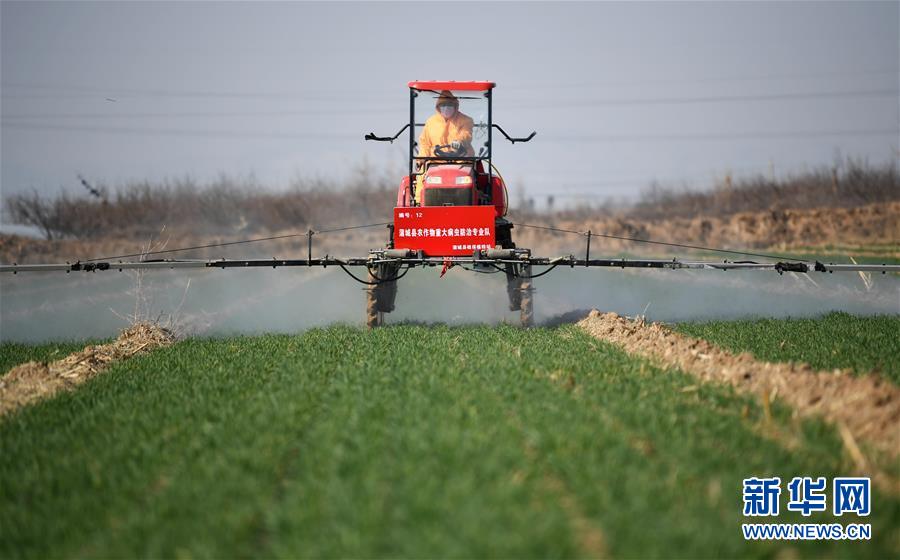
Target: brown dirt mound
[[776, 230], [865, 408], [32, 381]]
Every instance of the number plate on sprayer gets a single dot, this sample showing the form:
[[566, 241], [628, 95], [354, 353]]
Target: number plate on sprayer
[[444, 231]]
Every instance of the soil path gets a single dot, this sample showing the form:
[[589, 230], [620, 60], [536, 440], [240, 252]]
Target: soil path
[[864, 408]]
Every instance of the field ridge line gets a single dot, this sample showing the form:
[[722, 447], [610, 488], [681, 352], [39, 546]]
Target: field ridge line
[[589, 535], [868, 406], [33, 381]]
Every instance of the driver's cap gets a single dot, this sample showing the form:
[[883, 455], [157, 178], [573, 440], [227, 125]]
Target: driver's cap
[[446, 97]]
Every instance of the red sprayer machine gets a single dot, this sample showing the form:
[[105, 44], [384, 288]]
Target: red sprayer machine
[[451, 211]]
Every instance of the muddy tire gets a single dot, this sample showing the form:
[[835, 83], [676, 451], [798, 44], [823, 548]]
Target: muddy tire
[[513, 288], [526, 289], [374, 317], [380, 297], [374, 320]]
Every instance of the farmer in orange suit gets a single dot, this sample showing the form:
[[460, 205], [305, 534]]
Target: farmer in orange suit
[[446, 127]]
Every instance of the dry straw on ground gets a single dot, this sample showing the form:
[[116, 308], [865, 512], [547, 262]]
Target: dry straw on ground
[[864, 408], [32, 381]]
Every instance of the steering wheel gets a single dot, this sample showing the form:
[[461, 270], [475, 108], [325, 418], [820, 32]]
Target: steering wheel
[[447, 150]]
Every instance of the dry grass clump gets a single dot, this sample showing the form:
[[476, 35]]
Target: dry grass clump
[[32, 381], [862, 407]]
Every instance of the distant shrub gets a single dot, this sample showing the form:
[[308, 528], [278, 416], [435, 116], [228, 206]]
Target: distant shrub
[[243, 206], [224, 206], [852, 184]]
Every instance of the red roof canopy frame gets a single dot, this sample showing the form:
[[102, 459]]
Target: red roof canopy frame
[[452, 85]]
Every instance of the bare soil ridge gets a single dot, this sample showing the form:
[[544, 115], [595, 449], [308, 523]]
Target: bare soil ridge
[[33, 381], [873, 224], [865, 408]]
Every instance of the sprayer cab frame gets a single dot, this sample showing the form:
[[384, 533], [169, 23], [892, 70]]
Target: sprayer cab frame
[[473, 89], [485, 88]]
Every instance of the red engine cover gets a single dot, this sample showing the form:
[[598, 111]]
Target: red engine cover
[[498, 192], [444, 231]]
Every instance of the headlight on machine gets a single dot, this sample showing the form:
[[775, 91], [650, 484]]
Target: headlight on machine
[[434, 180], [465, 180]]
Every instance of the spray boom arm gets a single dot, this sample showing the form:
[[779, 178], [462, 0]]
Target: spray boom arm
[[514, 140], [371, 136]]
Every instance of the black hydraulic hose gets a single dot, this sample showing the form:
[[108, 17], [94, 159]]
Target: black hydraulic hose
[[377, 282], [479, 271], [380, 279], [538, 275]]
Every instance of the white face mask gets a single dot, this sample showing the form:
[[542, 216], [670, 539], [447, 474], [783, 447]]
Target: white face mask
[[447, 111]]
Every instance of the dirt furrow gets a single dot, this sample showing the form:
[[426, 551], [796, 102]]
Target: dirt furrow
[[33, 381], [864, 408]]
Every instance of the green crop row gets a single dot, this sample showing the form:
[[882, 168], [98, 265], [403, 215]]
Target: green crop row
[[836, 340], [404, 441]]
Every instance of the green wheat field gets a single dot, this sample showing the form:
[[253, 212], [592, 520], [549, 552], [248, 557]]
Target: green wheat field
[[415, 441]]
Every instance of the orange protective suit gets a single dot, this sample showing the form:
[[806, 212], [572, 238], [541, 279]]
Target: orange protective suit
[[439, 130], [443, 131]]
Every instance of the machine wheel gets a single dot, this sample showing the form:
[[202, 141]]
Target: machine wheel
[[526, 289], [513, 288], [380, 297], [374, 318]]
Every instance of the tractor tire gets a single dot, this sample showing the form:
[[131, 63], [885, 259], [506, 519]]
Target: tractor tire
[[380, 297], [513, 288], [374, 317], [526, 289]]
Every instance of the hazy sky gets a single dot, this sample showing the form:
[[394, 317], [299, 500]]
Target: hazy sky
[[620, 94]]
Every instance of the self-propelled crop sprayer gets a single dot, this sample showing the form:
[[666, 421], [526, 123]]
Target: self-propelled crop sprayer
[[450, 211]]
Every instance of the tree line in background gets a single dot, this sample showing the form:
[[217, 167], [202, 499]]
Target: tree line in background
[[849, 185], [243, 206]]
